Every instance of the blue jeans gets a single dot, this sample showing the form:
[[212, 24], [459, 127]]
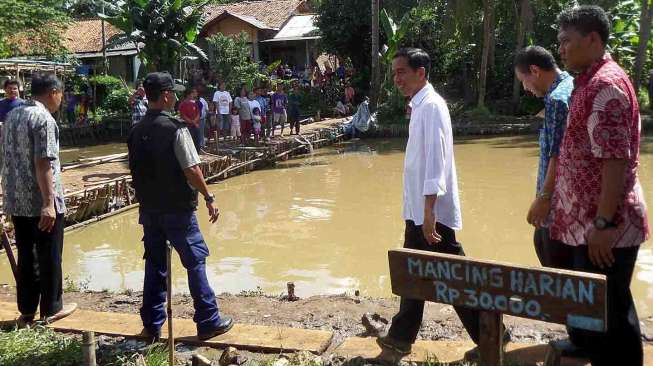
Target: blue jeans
[[183, 232]]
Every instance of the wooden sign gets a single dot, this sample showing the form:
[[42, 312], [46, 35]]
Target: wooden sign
[[574, 298]]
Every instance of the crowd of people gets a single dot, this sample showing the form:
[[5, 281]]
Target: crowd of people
[[588, 213], [249, 116]]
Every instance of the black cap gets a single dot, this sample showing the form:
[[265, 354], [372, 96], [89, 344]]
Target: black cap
[[157, 82]]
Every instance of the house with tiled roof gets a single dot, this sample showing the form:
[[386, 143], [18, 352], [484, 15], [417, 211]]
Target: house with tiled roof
[[277, 29], [83, 38]]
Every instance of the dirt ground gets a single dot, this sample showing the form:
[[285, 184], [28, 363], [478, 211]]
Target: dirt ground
[[340, 313]]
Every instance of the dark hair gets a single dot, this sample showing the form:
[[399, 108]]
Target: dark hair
[[190, 90], [43, 83], [11, 82], [586, 19], [416, 58], [534, 56]]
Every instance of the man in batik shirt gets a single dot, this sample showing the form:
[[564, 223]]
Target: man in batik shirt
[[598, 205]]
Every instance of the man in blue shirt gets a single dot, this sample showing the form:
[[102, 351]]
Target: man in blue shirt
[[11, 99], [539, 74]]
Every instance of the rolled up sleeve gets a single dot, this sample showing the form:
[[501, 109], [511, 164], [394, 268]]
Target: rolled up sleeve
[[435, 153]]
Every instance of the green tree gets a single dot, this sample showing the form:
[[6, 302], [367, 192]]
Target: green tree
[[82, 9], [345, 30], [163, 30], [31, 27], [230, 59]]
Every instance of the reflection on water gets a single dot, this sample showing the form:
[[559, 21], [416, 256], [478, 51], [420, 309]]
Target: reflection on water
[[327, 221]]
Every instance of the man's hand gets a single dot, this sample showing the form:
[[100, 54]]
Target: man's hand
[[48, 217], [214, 213], [599, 245], [428, 228], [539, 212]]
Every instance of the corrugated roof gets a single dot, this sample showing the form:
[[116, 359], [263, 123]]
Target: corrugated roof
[[298, 27], [272, 13]]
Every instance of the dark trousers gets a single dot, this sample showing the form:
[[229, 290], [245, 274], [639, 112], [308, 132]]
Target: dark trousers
[[621, 344], [552, 253], [183, 232], [407, 322], [39, 266], [293, 117]]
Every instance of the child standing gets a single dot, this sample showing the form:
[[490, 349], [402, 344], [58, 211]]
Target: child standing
[[235, 126], [257, 124]]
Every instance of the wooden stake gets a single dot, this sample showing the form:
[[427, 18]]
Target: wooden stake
[[171, 337], [491, 341], [88, 348], [10, 254]]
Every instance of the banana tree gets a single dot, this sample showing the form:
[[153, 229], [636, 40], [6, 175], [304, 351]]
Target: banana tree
[[163, 30], [395, 35]]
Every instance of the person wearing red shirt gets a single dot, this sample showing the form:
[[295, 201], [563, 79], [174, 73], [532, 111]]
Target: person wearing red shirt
[[190, 113], [598, 206]]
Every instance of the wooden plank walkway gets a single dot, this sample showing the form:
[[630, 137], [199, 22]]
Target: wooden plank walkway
[[453, 352], [259, 338], [254, 338]]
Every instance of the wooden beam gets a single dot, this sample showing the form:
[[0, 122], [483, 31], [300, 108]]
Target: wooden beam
[[491, 341]]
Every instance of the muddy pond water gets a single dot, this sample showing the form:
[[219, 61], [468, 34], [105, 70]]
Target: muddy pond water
[[326, 222]]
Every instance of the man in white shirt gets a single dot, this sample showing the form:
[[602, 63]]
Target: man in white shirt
[[431, 205], [223, 104]]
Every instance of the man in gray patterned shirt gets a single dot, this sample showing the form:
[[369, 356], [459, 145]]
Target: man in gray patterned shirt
[[33, 197]]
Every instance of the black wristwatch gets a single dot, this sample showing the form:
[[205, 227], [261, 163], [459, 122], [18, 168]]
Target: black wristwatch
[[210, 198], [601, 223]]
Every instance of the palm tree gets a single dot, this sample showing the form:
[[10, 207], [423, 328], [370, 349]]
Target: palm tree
[[162, 30]]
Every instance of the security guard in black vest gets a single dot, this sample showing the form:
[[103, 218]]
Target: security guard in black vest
[[166, 176]]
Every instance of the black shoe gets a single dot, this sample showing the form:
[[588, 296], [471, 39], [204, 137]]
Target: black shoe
[[225, 324], [395, 345], [151, 336], [565, 348]]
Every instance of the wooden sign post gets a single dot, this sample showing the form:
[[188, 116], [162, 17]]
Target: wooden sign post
[[577, 299]]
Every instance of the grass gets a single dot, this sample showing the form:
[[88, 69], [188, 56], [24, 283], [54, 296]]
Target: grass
[[41, 346], [156, 355], [38, 346]]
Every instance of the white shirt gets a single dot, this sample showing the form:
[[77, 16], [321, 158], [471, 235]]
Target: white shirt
[[222, 98], [429, 167], [205, 108], [254, 104]]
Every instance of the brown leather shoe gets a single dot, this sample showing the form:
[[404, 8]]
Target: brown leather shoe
[[25, 321], [64, 312]]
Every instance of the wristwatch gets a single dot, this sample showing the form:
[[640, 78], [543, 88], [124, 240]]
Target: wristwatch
[[210, 198], [601, 223]]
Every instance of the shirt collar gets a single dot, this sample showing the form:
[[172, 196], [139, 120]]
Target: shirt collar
[[561, 77], [40, 105], [586, 75], [419, 97]]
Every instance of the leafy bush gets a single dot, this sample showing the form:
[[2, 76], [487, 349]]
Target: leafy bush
[[112, 94], [229, 58], [643, 99]]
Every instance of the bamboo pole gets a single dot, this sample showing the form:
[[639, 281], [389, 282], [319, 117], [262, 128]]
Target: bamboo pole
[[10, 254], [171, 336]]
